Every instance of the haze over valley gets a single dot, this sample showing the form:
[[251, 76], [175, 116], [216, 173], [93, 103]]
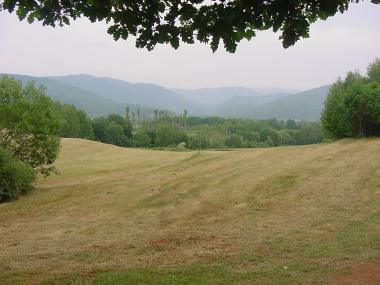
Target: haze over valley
[[101, 96]]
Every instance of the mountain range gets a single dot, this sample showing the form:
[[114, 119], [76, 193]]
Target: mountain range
[[100, 96]]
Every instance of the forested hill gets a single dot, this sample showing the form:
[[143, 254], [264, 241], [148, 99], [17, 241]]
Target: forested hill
[[100, 96]]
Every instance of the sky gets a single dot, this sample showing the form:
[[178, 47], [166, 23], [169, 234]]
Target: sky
[[340, 44]]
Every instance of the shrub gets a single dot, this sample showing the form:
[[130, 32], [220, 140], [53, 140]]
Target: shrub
[[234, 141], [142, 139], [181, 146], [198, 141], [167, 135], [16, 177], [275, 137]]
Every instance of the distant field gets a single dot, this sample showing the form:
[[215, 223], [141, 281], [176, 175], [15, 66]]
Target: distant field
[[286, 215]]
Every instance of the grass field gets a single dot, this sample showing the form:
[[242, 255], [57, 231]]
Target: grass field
[[287, 215]]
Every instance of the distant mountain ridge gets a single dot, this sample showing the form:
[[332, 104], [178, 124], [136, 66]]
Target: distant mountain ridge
[[148, 95], [102, 95], [306, 105], [211, 97], [86, 100]]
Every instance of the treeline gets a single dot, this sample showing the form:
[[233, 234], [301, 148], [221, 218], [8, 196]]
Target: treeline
[[164, 129]]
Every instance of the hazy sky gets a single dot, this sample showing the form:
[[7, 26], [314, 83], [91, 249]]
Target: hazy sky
[[342, 43]]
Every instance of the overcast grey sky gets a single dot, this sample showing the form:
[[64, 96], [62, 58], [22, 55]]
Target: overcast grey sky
[[342, 43]]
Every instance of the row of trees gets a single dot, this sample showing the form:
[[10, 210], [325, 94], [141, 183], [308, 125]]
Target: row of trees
[[170, 130], [352, 108], [214, 132]]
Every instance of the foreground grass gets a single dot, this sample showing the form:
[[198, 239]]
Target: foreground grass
[[291, 215]]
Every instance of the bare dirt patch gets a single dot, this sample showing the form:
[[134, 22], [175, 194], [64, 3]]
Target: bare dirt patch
[[358, 274]]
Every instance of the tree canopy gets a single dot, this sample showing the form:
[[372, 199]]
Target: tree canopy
[[172, 21], [29, 124], [352, 107]]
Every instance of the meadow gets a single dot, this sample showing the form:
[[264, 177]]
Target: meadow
[[286, 215]]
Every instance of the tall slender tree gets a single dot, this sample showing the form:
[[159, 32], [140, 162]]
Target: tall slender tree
[[138, 117], [184, 118], [127, 112]]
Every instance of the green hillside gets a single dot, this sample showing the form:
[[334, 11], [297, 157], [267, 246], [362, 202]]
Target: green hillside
[[287, 215]]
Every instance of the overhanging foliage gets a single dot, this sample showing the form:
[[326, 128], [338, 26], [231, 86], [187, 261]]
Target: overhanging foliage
[[172, 21]]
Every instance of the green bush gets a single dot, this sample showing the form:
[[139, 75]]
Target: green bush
[[234, 141], [142, 139], [167, 135], [196, 141], [16, 177], [181, 146]]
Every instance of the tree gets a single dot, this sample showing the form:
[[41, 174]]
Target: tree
[[29, 124], [142, 139], [198, 141], [271, 133], [71, 124], [138, 116], [291, 124], [308, 133], [114, 134], [85, 126], [185, 118], [373, 71], [76, 123], [100, 125], [334, 113], [234, 141], [352, 107], [172, 21], [127, 112], [167, 135], [113, 129]]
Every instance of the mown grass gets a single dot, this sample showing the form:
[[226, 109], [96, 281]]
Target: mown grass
[[290, 215]]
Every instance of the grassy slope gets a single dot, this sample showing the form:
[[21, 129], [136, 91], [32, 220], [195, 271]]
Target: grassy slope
[[286, 215]]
